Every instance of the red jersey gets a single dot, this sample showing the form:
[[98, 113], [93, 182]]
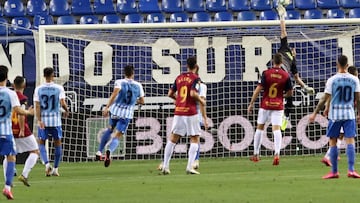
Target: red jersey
[[274, 81], [185, 104], [15, 120]]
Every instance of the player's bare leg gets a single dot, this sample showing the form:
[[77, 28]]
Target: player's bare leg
[[169, 148], [112, 146], [277, 144], [333, 158], [29, 164], [257, 142]]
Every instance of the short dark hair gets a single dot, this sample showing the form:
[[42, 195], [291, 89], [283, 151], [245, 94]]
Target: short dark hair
[[352, 70], [3, 73], [129, 70], [19, 81], [48, 71], [191, 62], [342, 61], [277, 59]]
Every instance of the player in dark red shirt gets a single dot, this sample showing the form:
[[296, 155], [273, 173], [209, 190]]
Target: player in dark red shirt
[[274, 82], [186, 120]]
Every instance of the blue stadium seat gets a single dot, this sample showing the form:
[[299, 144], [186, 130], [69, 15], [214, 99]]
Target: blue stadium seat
[[201, 17], [260, 5], [293, 15], [313, 14], [155, 18], [103, 7], [335, 13], [246, 16], [349, 3], [216, 5], [194, 5], [179, 17], [305, 4], [111, 19], [327, 4], [81, 7], [36, 7], [223, 16], [59, 8], [269, 15], [20, 26], [13, 8], [134, 18], [89, 19], [288, 7], [354, 13], [126, 6], [236, 5], [42, 20], [172, 6], [149, 6], [66, 20], [3, 27]]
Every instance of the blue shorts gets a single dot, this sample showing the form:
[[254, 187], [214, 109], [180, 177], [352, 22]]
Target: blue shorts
[[349, 126], [7, 145], [121, 124], [55, 132]]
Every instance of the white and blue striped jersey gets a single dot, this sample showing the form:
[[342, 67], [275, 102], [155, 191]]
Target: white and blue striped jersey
[[49, 96], [8, 100], [202, 89], [342, 88], [125, 101]]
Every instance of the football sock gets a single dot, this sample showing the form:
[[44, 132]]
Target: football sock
[[104, 139], [277, 141], [29, 164], [9, 173], [192, 153], [5, 166], [334, 159], [43, 153], [257, 141], [350, 152], [198, 153], [169, 148], [114, 144], [58, 153]]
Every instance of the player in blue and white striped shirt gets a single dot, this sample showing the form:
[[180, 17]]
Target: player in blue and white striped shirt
[[48, 98], [340, 89], [127, 93]]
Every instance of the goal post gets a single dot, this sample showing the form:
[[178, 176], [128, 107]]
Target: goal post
[[231, 56]]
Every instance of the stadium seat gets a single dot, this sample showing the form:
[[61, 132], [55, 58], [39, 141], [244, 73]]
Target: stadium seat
[[288, 7], [89, 19], [246, 16], [194, 6], [335, 13], [293, 15], [81, 7], [216, 5], [20, 26], [126, 6], [201, 17], [354, 13], [3, 27], [179, 17], [42, 20], [260, 5], [155, 18], [134, 18], [66, 20], [103, 7], [349, 3], [13, 8], [223, 16], [236, 5], [269, 15], [172, 6], [313, 14], [36, 7], [305, 4], [327, 4], [149, 6], [111, 19], [59, 8]]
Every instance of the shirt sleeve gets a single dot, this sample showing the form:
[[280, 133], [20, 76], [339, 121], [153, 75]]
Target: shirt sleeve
[[14, 100], [142, 93], [203, 90], [36, 95], [263, 80], [328, 86], [195, 83], [357, 88], [62, 93], [288, 84], [173, 87], [117, 84]]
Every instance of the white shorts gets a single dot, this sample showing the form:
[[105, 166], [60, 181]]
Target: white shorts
[[186, 125], [26, 144], [275, 116]]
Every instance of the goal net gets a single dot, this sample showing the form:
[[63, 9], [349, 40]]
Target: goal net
[[231, 55]]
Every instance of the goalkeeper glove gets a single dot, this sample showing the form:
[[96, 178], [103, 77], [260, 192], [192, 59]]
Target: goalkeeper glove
[[309, 90]]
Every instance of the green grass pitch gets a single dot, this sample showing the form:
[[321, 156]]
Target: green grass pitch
[[296, 179]]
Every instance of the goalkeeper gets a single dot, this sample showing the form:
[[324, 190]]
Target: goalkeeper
[[289, 64]]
